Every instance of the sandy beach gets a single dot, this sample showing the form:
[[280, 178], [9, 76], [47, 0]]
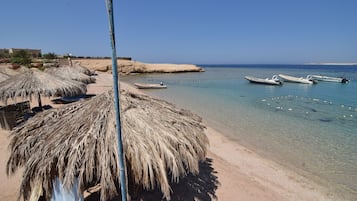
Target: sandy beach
[[238, 173]]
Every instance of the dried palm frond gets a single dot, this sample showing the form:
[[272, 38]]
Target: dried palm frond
[[3, 76], [11, 71], [161, 144], [36, 83], [72, 73], [82, 69]]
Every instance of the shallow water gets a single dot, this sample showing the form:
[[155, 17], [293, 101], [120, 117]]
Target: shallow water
[[311, 129]]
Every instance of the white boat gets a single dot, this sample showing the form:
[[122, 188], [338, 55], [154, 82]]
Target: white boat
[[329, 79], [150, 86], [307, 80], [273, 81]]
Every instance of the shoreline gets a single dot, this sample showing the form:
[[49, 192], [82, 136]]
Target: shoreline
[[241, 172], [266, 179], [334, 63], [255, 177], [289, 181]]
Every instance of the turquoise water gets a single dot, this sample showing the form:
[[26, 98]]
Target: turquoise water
[[311, 129]]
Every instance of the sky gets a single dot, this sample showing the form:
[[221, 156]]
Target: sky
[[187, 31]]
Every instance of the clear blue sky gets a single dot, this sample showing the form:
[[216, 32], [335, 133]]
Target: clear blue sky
[[187, 31]]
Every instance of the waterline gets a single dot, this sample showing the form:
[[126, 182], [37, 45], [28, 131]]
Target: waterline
[[308, 128]]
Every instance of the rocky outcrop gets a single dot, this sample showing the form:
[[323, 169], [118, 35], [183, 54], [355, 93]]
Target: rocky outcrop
[[130, 67]]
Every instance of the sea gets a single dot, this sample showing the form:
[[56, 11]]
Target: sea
[[310, 129]]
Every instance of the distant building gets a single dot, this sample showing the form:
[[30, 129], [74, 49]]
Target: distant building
[[125, 58], [33, 52], [4, 51]]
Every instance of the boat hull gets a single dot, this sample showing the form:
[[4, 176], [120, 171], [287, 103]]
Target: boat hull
[[150, 86], [263, 81], [329, 79], [288, 78]]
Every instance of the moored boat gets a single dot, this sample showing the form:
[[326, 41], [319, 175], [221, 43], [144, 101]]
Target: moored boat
[[150, 86], [307, 80], [329, 79], [269, 81]]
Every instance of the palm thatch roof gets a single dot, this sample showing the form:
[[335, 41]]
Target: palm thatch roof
[[82, 69], [72, 73], [11, 71], [36, 83], [3, 76], [161, 144]]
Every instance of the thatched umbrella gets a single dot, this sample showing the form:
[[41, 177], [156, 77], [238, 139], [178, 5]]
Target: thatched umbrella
[[72, 73], [161, 143], [3, 76], [14, 71], [82, 69], [37, 83]]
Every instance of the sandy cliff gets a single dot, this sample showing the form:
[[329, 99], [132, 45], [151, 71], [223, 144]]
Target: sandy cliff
[[128, 66]]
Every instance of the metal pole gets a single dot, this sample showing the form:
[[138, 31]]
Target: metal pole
[[116, 101]]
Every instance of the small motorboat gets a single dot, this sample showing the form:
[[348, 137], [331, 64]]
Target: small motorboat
[[150, 86], [270, 81], [307, 80], [329, 79]]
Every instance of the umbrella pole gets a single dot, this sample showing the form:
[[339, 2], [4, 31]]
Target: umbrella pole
[[39, 101], [122, 174]]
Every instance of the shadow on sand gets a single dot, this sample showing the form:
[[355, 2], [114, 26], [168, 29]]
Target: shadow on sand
[[191, 188]]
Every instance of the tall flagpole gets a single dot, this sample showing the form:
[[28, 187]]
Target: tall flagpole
[[122, 174]]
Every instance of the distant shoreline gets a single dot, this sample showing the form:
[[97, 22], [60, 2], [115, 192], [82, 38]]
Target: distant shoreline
[[278, 64], [334, 64], [126, 67]]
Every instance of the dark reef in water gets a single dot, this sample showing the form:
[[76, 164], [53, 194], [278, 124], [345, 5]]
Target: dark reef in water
[[325, 120]]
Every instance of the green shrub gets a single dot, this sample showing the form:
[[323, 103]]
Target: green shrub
[[4, 55], [21, 57], [50, 55]]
